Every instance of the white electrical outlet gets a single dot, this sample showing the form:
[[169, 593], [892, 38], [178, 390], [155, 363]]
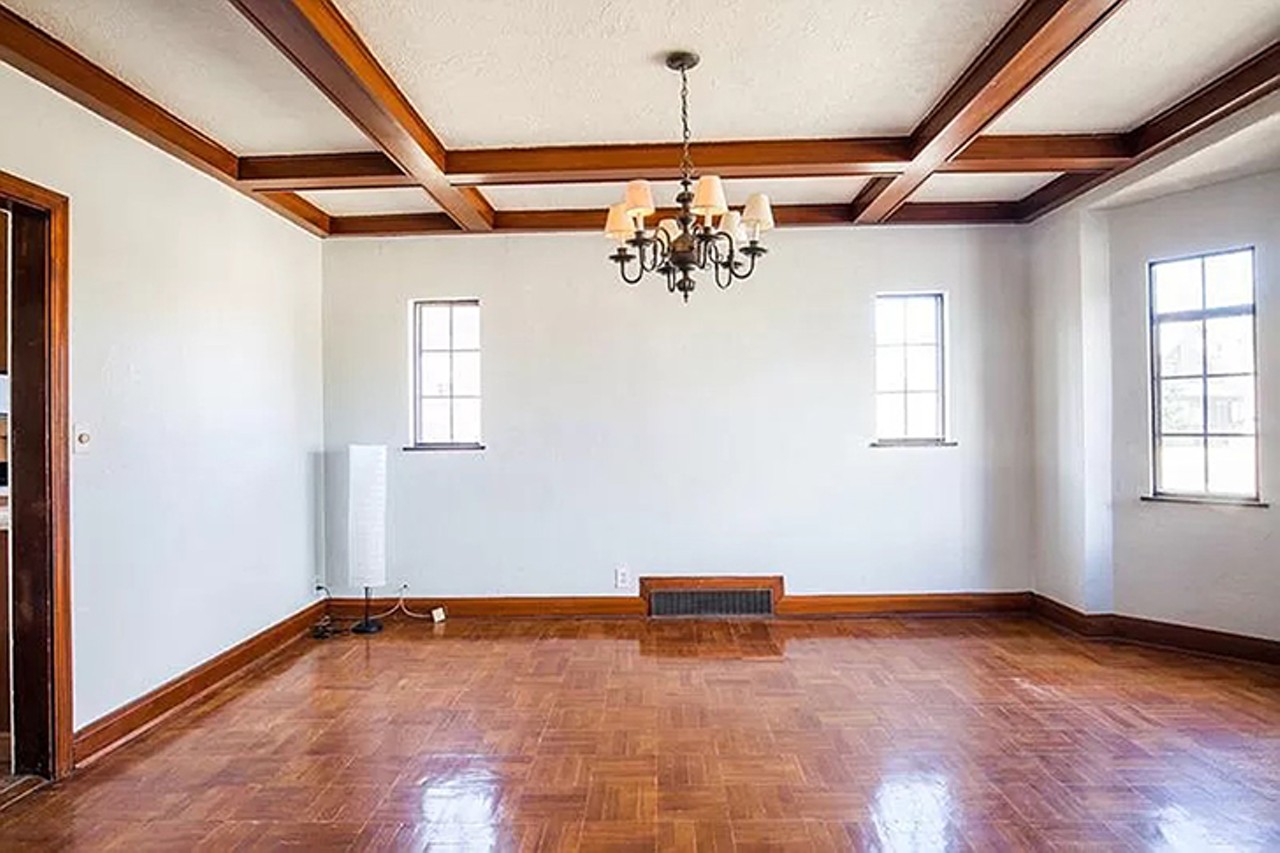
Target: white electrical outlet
[[437, 614], [621, 577]]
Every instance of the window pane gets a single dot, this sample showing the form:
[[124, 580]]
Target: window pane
[[434, 420], [466, 420], [466, 327], [1231, 405], [466, 374], [1180, 348], [1228, 279], [1233, 467], [435, 374], [1230, 342], [1181, 405], [1176, 286], [890, 369], [922, 416], [922, 368], [435, 326], [891, 415], [922, 319], [890, 319], [1181, 465]]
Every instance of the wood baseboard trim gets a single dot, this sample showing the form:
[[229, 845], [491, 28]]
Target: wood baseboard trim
[[922, 604], [1152, 632], [509, 606], [144, 713]]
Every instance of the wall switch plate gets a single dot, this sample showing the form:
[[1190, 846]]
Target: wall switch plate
[[621, 578], [437, 614]]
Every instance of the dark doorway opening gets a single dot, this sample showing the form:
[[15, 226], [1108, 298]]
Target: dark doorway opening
[[40, 570]]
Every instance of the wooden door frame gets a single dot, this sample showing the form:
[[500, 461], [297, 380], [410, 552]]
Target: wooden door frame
[[39, 502]]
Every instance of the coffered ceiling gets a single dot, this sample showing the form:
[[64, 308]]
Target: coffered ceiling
[[406, 117]]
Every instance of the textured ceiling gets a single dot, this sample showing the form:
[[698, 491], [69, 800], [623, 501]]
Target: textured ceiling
[[961, 186], [538, 72], [1146, 57], [204, 62], [358, 202], [1254, 149], [781, 191]]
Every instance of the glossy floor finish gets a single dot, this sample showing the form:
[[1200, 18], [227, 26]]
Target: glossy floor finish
[[945, 734]]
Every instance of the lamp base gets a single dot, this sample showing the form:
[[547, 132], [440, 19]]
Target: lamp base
[[367, 626]]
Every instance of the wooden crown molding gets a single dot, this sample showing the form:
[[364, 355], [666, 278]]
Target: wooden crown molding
[[1038, 36], [590, 219], [53, 63], [316, 38]]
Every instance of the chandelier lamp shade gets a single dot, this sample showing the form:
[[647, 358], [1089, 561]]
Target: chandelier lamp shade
[[704, 235]]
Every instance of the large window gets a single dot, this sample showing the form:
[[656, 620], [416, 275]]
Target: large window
[[1204, 383], [910, 368], [446, 374]]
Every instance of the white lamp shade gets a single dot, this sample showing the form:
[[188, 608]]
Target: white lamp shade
[[366, 515], [708, 197], [670, 227], [619, 225], [731, 224], [758, 214], [639, 199]]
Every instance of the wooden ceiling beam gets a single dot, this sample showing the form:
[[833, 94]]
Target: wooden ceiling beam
[[315, 36], [1042, 153], [782, 158], [1253, 79], [1038, 36], [955, 212], [56, 65], [355, 170], [773, 158]]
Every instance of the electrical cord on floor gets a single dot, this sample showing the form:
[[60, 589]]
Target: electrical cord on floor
[[326, 628]]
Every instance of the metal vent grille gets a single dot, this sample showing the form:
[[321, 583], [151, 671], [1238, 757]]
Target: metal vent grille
[[711, 602]]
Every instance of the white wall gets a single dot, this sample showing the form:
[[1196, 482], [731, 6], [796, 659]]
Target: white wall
[[1072, 424], [729, 435], [195, 361], [1215, 567]]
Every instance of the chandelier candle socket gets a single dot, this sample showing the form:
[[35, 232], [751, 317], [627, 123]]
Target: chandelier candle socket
[[678, 247]]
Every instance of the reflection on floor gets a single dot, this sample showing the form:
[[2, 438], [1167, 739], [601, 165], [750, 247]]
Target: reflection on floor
[[917, 735]]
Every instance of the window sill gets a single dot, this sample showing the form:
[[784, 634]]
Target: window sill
[[416, 448], [914, 442], [1207, 500]]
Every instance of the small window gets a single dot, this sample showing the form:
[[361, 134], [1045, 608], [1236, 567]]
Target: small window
[[1204, 376], [446, 374], [910, 368]]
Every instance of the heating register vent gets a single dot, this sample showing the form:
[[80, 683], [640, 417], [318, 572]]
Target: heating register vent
[[711, 602]]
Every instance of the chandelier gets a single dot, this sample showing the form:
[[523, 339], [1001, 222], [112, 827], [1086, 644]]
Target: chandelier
[[703, 235]]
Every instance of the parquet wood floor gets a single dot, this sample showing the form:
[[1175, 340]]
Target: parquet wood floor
[[945, 734]]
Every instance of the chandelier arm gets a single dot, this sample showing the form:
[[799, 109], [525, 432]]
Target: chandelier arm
[[622, 270]]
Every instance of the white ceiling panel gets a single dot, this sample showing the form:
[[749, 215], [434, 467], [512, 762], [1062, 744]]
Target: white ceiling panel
[[490, 73], [360, 202], [577, 196], [962, 186], [1253, 150], [1145, 58], [204, 62]]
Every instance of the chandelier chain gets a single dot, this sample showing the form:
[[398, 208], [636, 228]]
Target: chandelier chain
[[686, 161]]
